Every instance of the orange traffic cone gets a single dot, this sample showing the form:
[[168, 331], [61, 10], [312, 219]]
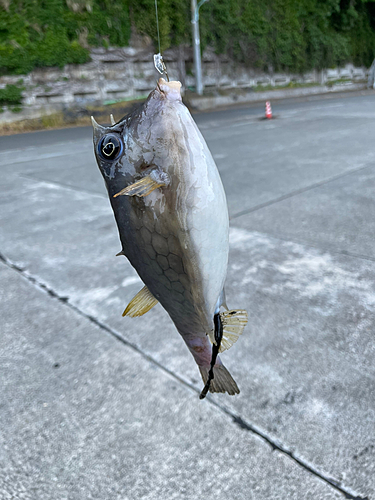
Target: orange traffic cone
[[268, 110]]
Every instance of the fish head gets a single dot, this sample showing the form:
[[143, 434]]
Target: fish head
[[140, 141]]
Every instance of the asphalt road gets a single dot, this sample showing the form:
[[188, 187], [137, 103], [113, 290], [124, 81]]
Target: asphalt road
[[95, 406]]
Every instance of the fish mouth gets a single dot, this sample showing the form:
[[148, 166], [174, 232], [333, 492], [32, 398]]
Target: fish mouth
[[170, 90], [158, 89]]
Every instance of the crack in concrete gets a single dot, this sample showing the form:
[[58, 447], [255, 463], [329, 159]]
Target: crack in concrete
[[349, 494], [298, 191], [236, 419]]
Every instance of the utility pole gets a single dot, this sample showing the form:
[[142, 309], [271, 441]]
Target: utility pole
[[197, 45]]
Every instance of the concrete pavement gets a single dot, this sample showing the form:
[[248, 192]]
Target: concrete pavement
[[96, 406]]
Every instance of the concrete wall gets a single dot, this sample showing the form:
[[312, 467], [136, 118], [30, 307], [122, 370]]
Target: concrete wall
[[126, 73]]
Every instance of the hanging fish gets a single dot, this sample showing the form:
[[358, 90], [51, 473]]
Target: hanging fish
[[172, 216]]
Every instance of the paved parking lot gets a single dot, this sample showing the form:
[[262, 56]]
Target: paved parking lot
[[96, 406]]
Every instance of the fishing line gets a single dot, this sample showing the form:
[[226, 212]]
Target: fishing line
[[158, 58], [215, 351], [157, 22]]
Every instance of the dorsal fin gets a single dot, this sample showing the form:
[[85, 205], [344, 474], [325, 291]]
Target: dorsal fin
[[140, 304]]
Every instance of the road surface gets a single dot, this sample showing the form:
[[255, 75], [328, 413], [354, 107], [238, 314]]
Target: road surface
[[96, 406]]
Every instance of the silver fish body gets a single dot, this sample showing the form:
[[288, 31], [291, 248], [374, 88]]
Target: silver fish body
[[175, 236]]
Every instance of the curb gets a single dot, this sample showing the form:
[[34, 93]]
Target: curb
[[210, 103], [53, 116]]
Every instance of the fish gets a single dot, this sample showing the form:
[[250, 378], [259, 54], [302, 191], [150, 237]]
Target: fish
[[172, 217]]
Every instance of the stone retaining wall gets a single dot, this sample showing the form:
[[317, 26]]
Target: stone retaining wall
[[127, 73]]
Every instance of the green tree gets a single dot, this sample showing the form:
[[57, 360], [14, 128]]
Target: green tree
[[293, 35]]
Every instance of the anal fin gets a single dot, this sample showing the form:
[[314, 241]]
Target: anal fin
[[140, 304], [146, 185], [233, 323]]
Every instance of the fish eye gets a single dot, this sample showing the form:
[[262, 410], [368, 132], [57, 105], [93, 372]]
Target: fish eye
[[110, 147]]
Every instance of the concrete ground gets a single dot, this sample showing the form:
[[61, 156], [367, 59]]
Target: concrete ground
[[95, 406]]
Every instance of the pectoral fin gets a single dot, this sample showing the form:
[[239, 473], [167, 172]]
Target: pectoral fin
[[140, 304], [146, 185], [233, 323]]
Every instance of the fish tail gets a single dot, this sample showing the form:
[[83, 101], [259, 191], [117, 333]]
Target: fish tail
[[222, 381]]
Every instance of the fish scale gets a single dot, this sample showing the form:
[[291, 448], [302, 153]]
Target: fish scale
[[155, 251]]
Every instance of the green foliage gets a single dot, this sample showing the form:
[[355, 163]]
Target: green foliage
[[174, 20], [57, 32], [293, 35], [105, 22], [11, 95]]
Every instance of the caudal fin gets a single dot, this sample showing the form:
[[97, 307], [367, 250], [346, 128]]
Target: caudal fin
[[222, 381]]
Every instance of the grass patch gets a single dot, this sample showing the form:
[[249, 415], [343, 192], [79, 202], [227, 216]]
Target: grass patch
[[339, 81], [53, 121], [73, 117]]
